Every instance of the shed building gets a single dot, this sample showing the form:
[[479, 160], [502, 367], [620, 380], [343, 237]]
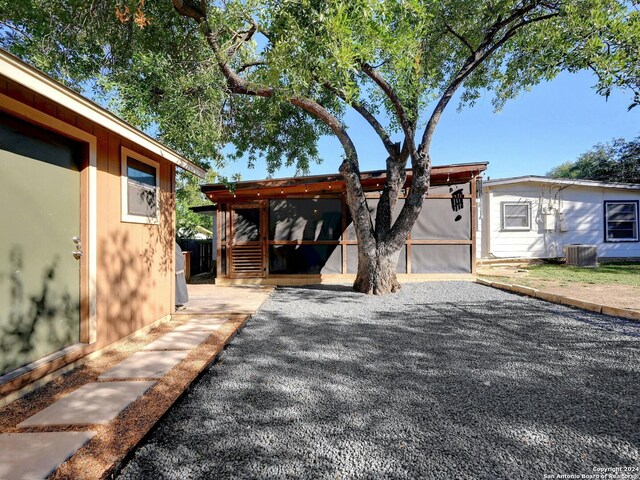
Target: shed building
[[87, 226], [298, 230]]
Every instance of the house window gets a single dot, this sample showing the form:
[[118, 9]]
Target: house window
[[621, 221], [516, 216], [139, 188]]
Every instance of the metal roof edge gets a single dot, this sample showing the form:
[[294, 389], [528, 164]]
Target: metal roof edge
[[559, 181]]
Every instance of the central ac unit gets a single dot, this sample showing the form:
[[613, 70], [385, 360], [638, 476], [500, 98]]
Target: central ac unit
[[582, 255]]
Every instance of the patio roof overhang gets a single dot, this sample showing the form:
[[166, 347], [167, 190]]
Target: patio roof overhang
[[330, 184]]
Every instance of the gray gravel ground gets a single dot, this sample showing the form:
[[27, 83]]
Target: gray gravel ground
[[442, 380]]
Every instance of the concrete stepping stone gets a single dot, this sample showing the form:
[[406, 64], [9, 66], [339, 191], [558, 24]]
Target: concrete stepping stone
[[178, 341], [93, 403], [32, 456], [145, 365], [201, 325]]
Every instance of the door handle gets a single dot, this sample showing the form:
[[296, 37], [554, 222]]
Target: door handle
[[77, 253]]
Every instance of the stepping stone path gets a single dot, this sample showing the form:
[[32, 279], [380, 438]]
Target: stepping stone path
[[145, 365], [35, 455], [178, 341], [91, 404]]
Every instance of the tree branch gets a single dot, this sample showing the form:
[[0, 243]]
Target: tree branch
[[349, 169], [405, 123], [421, 165], [247, 66], [459, 37], [368, 116], [231, 51], [485, 49]]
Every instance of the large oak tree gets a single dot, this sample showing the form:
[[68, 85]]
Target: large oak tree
[[272, 76]]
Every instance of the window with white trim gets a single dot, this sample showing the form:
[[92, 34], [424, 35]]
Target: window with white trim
[[140, 188], [621, 221], [516, 215]]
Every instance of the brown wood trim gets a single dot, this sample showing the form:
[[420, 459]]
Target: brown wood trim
[[340, 278], [264, 235], [303, 242], [474, 221], [44, 370], [440, 175], [442, 242], [464, 241], [445, 196], [219, 242], [84, 313], [343, 241]]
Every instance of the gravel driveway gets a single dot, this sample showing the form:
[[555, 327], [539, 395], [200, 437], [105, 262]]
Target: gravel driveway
[[442, 380]]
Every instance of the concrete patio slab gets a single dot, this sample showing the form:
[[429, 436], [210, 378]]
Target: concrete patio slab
[[211, 299], [36, 455], [93, 403], [201, 325], [178, 341], [150, 364]]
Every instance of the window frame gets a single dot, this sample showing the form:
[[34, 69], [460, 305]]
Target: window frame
[[503, 216], [606, 222], [127, 217]]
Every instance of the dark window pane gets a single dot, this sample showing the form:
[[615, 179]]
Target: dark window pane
[[622, 221], [622, 233], [305, 259], [516, 216], [30, 141], [247, 224], [305, 219], [141, 172], [621, 208]]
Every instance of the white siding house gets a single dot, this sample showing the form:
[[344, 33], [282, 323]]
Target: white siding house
[[535, 217]]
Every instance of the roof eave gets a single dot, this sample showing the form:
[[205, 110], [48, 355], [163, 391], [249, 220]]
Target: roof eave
[[33, 79], [559, 181]]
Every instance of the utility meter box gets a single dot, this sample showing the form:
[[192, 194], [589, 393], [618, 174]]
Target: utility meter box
[[549, 220]]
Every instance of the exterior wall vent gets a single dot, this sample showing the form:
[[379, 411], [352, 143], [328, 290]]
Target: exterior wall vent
[[582, 255]]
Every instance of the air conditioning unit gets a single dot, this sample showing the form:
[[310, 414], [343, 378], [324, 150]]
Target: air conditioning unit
[[581, 255]]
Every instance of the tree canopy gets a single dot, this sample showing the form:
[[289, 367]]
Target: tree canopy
[[615, 161], [270, 77]]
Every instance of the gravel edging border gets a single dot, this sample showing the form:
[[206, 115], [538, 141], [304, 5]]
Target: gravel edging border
[[562, 300]]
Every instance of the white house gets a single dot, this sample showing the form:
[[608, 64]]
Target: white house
[[536, 217]]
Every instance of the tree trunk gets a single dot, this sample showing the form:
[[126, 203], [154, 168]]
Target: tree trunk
[[376, 272]]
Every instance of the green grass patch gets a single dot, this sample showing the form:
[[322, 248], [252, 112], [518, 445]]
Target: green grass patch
[[622, 273]]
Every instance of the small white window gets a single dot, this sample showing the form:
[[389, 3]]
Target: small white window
[[621, 221], [516, 216], [140, 188]]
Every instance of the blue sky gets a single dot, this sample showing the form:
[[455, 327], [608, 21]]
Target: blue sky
[[553, 123]]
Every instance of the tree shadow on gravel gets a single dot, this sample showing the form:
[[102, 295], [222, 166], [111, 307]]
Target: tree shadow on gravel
[[502, 387]]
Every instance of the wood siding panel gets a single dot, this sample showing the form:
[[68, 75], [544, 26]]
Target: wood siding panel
[[583, 210], [135, 262]]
